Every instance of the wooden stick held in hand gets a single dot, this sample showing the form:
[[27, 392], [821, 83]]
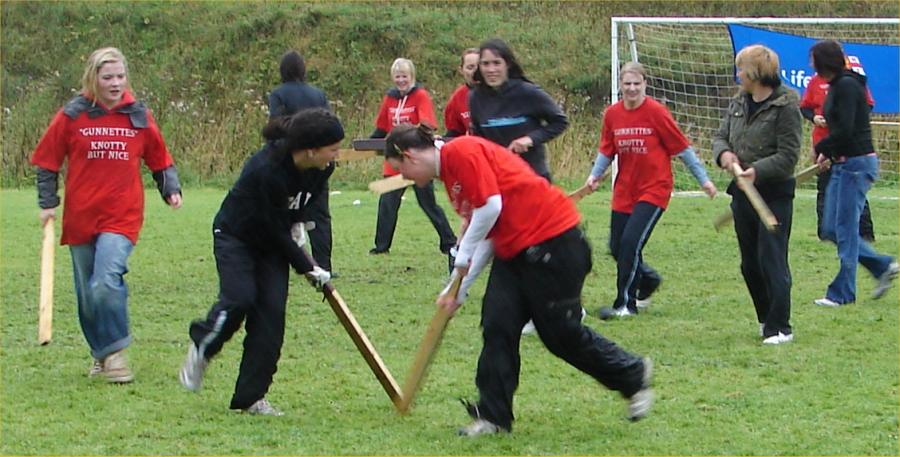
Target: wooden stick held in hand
[[45, 309], [765, 214]]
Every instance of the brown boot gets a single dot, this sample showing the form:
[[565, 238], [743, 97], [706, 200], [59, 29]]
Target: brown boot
[[115, 368]]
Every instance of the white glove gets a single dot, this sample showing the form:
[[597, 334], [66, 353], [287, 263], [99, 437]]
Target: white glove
[[298, 233], [318, 277]]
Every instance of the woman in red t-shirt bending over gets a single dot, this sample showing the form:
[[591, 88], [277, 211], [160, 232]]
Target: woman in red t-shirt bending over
[[641, 132], [104, 134], [541, 260]]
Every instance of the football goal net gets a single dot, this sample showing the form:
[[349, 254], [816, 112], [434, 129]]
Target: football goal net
[[690, 62]]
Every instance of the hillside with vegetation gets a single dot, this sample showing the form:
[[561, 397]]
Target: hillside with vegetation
[[205, 68]]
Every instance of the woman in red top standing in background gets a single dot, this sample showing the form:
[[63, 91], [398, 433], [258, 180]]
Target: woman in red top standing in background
[[406, 103], [644, 136], [542, 258], [103, 134], [812, 108], [456, 114]]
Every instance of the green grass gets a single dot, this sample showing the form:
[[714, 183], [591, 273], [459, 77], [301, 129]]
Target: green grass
[[833, 391]]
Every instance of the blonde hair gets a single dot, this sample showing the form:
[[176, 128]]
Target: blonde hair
[[403, 64], [759, 64], [90, 85], [633, 67]]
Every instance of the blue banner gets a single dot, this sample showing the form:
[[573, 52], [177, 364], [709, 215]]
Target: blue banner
[[880, 63]]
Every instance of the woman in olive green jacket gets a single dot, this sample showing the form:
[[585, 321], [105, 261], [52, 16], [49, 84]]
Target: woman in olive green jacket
[[761, 132]]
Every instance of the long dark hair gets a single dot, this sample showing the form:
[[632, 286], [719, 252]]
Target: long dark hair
[[406, 136], [499, 47], [827, 57], [293, 67]]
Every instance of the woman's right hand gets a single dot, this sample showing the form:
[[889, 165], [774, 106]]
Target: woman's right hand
[[46, 214], [819, 121], [593, 182]]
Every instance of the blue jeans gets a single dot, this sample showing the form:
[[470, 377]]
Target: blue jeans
[[101, 291], [844, 200]]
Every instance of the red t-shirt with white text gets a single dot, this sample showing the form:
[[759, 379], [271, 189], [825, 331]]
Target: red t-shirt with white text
[[414, 108], [533, 211], [814, 99], [103, 187], [644, 139]]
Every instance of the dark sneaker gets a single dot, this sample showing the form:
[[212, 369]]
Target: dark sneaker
[[639, 404], [648, 287], [376, 251], [608, 312], [885, 280]]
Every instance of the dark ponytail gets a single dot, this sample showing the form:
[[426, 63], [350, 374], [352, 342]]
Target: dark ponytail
[[406, 136], [307, 129]]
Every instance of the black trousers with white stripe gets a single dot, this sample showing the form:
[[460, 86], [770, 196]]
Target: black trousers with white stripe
[[543, 283], [628, 234], [253, 287]]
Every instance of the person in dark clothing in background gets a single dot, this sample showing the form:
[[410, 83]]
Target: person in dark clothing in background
[[254, 242], [854, 167], [293, 95], [811, 107], [508, 109], [406, 102]]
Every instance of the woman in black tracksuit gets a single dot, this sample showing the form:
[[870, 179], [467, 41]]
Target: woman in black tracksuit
[[253, 245], [508, 109]]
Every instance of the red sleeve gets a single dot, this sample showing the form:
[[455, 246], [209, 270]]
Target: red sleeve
[[156, 154], [451, 115], [382, 121], [51, 150], [670, 135], [809, 98], [425, 109], [607, 142], [474, 173], [869, 100]]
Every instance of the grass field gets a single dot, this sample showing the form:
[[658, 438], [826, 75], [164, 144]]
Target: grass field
[[833, 391]]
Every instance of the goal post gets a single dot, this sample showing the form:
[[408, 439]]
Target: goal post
[[690, 65]]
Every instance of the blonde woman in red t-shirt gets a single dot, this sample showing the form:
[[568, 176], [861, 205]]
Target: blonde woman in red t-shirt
[[406, 102], [642, 134], [542, 258], [104, 134]]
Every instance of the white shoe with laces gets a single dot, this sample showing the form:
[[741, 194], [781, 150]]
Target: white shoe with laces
[[481, 427], [191, 374], [825, 301], [640, 403], [886, 280]]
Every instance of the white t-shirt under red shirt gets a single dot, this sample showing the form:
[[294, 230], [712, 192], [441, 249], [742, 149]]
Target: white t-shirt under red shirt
[[644, 139], [473, 169]]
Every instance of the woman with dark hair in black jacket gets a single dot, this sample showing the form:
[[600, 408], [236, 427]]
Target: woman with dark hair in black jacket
[[254, 243], [508, 109]]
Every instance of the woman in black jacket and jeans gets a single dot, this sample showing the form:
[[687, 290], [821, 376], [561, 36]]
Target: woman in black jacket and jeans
[[253, 245]]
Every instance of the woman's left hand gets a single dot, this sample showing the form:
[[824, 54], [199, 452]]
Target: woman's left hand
[[521, 145], [174, 200]]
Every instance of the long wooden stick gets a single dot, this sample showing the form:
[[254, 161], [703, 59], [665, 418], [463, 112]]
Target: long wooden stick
[[801, 176], [45, 309], [365, 347], [579, 193], [756, 200], [386, 185]]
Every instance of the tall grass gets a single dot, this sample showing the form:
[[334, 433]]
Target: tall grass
[[205, 67]]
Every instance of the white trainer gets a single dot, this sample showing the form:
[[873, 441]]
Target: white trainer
[[191, 374], [528, 328], [640, 403], [825, 301], [643, 304], [886, 280], [779, 338], [481, 427], [262, 407]]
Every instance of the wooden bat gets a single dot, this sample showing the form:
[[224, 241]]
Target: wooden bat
[[365, 347], [801, 176], [765, 214], [350, 155], [369, 144], [579, 193], [427, 349], [386, 185], [45, 309]]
